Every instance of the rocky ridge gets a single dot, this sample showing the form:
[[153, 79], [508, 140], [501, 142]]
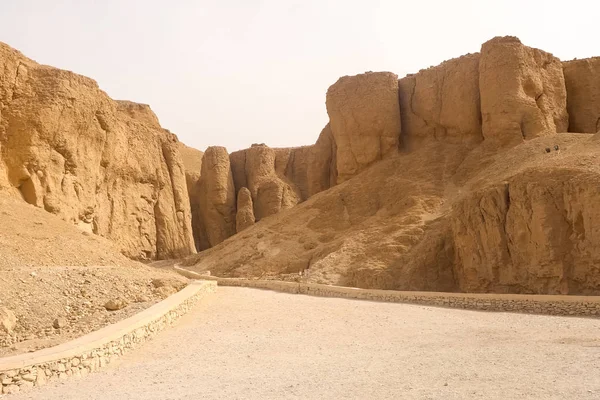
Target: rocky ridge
[[474, 176]]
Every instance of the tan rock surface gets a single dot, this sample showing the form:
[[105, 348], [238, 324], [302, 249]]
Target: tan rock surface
[[582, 78], [442, 103], [192, 160], [103, 165], [244, 217], [321, 167], [217, 203], [522, 91], [364, 117]]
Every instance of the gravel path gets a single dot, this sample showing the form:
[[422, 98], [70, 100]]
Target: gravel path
[[253, 344]]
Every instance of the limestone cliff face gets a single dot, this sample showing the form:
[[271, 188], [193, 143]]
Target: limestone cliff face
[[217, 201], [442, 103], [582, 78], [364, 116], [522, 91], [244, 217], [321, 171], [192, 160], [533, 234], [104, 165]]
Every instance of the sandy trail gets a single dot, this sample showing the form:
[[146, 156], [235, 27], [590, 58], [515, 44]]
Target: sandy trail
[[253, 344]]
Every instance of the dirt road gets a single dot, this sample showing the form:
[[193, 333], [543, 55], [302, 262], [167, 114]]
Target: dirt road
[[253, 344]]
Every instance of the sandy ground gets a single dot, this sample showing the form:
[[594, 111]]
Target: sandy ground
[[253, 344]]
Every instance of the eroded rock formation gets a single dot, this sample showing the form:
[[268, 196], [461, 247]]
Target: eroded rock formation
[[582, 78], [442, 103], [522, 91], [216, 198], [244, 217], [104, 165], [364, 118], [321, 170], [192, 160]]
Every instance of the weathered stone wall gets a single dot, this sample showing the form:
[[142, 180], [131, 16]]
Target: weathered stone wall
[[84, 355]]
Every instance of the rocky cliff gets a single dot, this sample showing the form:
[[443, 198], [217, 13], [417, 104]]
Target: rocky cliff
[[106, 166], [462, 177], [466, 176]]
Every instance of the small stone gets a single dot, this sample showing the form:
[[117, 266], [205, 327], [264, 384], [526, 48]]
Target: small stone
[[41, 379], [7, 381], [12, 373], [142, 298], [60, 323], [28, 377], [75, 362], [61, 368], [10, 389], [115, 304], [25, 384], [8, 320]]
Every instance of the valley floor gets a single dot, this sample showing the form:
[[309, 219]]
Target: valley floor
[[252, 344]]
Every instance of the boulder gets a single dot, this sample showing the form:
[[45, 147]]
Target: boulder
[[105, 166], [115, 304], [442, 103], [8, 320], [245, 210], [60, 322], [522, 92], [364, 116], [582, 78]]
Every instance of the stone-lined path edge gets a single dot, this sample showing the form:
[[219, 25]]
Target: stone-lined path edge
[[586, 306], [87, 353]]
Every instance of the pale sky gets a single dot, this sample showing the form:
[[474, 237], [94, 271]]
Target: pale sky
[[233, 73]]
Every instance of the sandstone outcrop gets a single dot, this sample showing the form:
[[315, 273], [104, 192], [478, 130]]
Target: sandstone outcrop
[[522, 91], [582, 78], [442, 103], [263, 171], [364, 116], [270, 193], [533, 234], [106, 166], [321, 170], [216, 198], [244, 217], [192, 160]]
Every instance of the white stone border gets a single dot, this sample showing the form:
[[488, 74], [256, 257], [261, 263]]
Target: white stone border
[[525, 303], [96, 349]]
